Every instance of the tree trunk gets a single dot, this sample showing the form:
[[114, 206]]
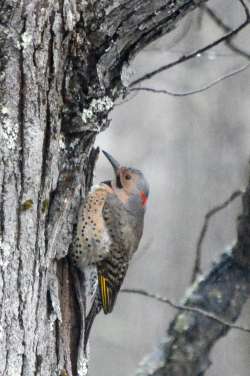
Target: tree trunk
[[60, 71]]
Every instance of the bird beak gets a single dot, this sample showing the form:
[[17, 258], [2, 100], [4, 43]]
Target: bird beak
[[113, 162]]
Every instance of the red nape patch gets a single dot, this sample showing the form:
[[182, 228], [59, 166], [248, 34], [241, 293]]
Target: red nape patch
[[144, 198]]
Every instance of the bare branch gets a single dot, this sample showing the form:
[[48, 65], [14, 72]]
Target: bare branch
[[208, 216], [131, 26], [245, 8], [191, 334], [190, 56], [182, 307], [226, 28], [223, 292], [195, 91]]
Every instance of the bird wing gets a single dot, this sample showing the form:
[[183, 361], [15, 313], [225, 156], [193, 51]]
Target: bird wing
[[110, 279], [107, 292], [112, 270]]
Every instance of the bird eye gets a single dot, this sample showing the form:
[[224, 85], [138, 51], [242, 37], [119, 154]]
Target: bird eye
[[127, 177]]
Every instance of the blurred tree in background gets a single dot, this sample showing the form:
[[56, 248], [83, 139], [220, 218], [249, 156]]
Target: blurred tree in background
[[182, 118]]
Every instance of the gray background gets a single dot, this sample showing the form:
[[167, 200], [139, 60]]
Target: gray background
[[194, 151]]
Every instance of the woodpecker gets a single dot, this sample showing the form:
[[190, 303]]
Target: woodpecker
[[109, 229]]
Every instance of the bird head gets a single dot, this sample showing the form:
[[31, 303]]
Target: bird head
[[129, 185]]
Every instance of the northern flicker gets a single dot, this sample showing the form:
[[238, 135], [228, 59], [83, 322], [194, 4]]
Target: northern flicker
[[109, 229]]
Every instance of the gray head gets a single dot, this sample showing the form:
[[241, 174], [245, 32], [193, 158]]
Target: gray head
[[129, 185]]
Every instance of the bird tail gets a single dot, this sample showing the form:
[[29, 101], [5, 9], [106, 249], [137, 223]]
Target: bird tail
[[95, 309]]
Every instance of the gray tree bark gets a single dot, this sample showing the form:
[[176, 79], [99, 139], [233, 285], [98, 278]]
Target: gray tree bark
[[60, 72]]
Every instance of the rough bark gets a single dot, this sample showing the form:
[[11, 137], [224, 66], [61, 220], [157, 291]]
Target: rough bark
[[60, 69], [223, 292]]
